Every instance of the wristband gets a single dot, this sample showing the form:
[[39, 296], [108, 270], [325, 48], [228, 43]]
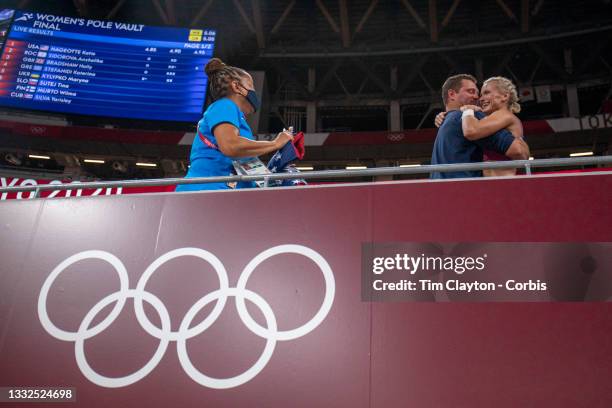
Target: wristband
[[467, 112]]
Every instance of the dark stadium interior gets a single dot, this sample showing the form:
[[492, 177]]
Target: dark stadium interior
[[350, 62]]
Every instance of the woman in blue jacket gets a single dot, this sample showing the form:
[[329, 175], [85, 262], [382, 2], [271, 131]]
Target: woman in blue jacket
[[223, 133]]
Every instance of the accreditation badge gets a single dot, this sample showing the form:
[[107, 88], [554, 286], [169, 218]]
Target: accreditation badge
[[251, 166]]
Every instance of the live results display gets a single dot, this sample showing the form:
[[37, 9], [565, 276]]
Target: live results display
[[103, 68]]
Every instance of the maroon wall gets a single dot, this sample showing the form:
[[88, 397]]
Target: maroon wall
[[362, 354]]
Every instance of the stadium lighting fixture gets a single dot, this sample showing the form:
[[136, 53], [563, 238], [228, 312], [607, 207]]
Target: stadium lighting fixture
[[38, 156], [410, 165], [143, 164], [94, 161], [304, 168], [579, 154], [13, 159], [356, 167]]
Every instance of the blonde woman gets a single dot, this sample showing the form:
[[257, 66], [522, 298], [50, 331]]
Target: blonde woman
[[499, 101]]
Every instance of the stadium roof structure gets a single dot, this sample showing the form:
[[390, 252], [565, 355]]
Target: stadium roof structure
[[369, 65], [364, 53]]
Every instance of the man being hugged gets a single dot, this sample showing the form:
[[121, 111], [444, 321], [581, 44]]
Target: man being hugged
[[452, 146]]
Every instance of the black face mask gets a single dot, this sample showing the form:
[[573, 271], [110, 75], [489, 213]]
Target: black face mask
[[253, 99]]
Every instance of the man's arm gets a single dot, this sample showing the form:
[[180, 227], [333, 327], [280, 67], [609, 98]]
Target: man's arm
[[518, 150]]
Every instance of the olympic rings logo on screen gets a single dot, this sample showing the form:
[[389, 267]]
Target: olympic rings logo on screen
[[37, 130], [395, 137], [270, 333]]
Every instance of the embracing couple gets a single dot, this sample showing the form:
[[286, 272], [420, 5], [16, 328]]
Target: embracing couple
[[469, 133]]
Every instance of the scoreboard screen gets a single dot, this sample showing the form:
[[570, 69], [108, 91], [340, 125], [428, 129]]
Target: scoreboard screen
[[6, 15], [103, 68]]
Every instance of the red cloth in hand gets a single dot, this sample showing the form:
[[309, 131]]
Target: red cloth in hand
[[298, 145]]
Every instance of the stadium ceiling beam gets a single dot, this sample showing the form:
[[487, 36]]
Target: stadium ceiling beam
[[160, 11], [414, 14], [276, 112], [537, 8], [595, 52], [283, 17], [341, 83], [201, 13], [337, 100], [372, 75], [524, 16], [115, 9], [393, 77], [279, 86], [534, 71], [434, 49], [507, 10], [365, 16], [412, 75], [449, 14], [328, 16], [503, 63], [327, 77], [345, 31], [479, 73], [414, 98], [426, 82], [607, 65], [82, 7], [259, 33], [430, 109], [569, 60], [290, 78], [245, 16], [362, 86], [550, 61], [513, 76], [170, 12], [433, 21], [452, 64], [342, 101]]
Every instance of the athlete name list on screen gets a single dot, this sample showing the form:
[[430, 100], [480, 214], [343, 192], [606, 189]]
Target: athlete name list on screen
[[75, 65]]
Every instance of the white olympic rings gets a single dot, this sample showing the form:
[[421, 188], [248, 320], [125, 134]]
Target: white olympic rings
[[165, 335]]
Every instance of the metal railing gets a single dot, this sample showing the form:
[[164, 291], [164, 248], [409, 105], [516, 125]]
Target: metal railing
[[333, 174]]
